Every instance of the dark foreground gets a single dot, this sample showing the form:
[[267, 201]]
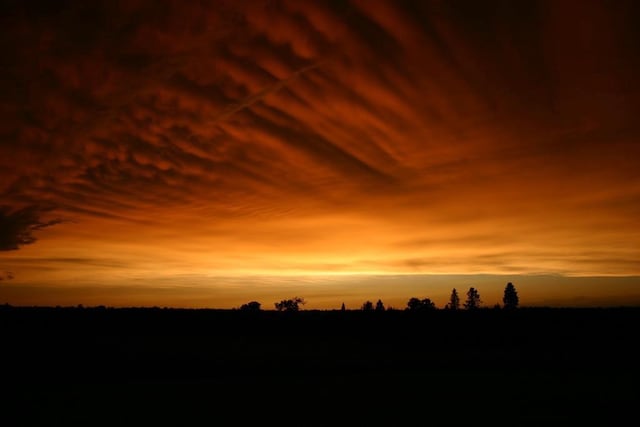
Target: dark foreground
[[187, 367]]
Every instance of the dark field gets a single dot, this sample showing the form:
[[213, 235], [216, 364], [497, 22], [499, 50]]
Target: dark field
[[207, 367]]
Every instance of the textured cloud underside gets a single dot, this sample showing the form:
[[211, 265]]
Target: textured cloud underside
[[275, 137]]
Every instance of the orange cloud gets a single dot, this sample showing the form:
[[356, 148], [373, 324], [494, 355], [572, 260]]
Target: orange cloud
[[253, 139]]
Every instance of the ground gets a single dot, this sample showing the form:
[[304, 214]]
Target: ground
[[101, 366]]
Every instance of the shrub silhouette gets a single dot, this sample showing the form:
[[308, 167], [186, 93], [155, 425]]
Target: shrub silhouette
[[250, 306], [416, 304]]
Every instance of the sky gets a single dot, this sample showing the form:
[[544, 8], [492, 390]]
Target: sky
[[210, 153]]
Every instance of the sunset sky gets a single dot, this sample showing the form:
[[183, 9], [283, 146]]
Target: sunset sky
[[210, 153]]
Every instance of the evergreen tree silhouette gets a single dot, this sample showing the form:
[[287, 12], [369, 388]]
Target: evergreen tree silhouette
[[454, 300], [510, 298], [379, 306], [473, 299], [343, 308]]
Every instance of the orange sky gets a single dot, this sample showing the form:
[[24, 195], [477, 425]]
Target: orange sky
[[212, 153]]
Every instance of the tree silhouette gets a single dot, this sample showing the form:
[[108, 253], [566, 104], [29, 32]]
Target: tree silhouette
[[454, 300], [367, 306], [413, 304], [510, 298], [416, 304], [343, 308], [379, 306], [473, 299], [250, 306], [290, 304]]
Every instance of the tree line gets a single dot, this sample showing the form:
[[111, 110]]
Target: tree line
[[510, 301]]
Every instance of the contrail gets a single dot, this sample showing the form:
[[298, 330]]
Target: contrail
[[250, 100]]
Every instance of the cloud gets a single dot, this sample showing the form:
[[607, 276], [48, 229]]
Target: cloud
[[370, 136], [17, 226]]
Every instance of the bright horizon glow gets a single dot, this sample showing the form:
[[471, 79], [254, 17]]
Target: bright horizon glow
[[327, 292]]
